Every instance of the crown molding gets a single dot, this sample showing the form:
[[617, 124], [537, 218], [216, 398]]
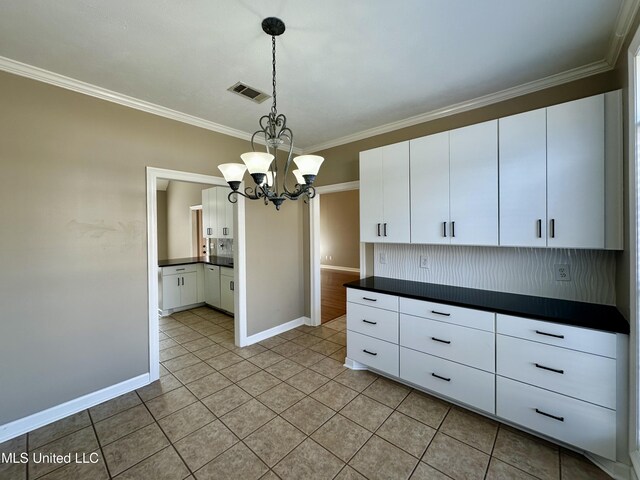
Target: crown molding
[[530, 87], [35, 73], [626, 15]]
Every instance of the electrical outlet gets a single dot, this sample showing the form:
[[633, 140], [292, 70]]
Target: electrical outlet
[[562, 272], [424, 261], [383, 258]]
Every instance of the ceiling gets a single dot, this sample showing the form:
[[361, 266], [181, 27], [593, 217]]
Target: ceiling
[[344, 67]]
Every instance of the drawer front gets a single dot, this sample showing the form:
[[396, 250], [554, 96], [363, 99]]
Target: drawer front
[[372, 299], [177, 269], [226, 271], [375, 322], [465, 384], [581, 375], [461, 344], [466, 317], [577, 423], [566, 336], [373, 352]]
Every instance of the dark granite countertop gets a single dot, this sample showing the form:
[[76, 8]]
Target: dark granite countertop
[[588, 315], [211, 260]]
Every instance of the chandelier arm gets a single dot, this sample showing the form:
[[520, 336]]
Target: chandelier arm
[[288, 134]]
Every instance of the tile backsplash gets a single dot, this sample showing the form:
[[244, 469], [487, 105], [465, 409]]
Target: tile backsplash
[[221, 247], [528, 271]]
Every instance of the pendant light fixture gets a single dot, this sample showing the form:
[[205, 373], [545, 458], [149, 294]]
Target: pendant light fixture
[[263, 166]]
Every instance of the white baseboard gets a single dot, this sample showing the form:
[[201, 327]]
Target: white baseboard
[[353, 365], [616, 470], [635, 464], [40, 419], [258, 337], [340, 269]]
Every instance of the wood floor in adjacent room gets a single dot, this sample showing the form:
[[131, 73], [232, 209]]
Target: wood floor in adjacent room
[[333, 294]]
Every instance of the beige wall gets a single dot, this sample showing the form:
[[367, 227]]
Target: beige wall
[[340, 229], [73, 198], [180, 197], [275, 262], [161, 205]]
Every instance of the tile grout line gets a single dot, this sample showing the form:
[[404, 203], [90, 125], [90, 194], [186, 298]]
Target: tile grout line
[[95, 432]]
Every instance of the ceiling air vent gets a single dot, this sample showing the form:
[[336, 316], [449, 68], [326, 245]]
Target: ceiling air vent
[[248, 92]]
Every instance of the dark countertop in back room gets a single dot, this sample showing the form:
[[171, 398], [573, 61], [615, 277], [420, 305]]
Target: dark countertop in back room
[[581, 314], [211, 260]]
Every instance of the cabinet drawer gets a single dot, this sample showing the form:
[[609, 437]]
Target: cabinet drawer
[[577, 423], [373, 299], [226, 271], [461, 344], [373, 352], [466, 317], [575, 338], [176, 269], [581, 375], [375, 322], [465, 384]]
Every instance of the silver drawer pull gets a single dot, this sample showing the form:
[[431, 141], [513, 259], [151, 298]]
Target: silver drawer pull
[[441, 378], [370, 353], [549, 334], [369, 322], [441, 313], [370, 299], [179, 269], [548, 368], [440, 340], [560, 419]]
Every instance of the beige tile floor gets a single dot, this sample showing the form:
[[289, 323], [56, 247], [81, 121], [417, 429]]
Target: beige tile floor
[[284, 408]]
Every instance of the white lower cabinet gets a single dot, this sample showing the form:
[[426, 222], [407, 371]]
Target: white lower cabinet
[[454, 380], [212, 285], [179, 286], [227, 288], [559, 380], [578, 423]]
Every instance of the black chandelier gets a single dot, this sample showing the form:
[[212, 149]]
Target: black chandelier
[[263, 166]]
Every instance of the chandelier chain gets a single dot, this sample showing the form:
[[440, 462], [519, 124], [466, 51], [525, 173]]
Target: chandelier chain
[[273, 50]]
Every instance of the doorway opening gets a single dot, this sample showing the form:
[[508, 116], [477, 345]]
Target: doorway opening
[[334, 239], [185, 243]]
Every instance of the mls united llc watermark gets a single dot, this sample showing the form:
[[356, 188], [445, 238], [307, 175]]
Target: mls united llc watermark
[[39, 457]]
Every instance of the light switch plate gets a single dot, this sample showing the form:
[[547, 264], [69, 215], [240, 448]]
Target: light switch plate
[[383, 258], [424, 261], [562, 272]]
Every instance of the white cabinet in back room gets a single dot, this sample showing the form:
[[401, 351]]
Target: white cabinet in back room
[[212, 285], [209, 214], [227, 287], [384, 194], [224, 213], [454, 186], [179, 286]]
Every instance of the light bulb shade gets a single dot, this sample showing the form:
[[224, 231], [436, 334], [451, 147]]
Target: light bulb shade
[[299, 178], [257, 162], [233, 172], [270, 178], [308, 164]]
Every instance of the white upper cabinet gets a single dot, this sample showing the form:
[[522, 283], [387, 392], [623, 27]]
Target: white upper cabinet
[[523, 179], [209, 217], [473, 184], [430, 189], [575, 173], [224, 213], [384, 194]]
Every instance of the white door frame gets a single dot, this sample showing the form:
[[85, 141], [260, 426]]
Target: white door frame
[[239, 273], [633, 102], [314, 245]]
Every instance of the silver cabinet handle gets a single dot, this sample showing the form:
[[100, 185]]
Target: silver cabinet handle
[[178, 281], [453, 229], [385, 229], [370, 299], [180, 269], [441, 313], [183, 281], [378, 229], [554, 335], [448, 342], [554, 370], [553, 228], [444, 229], [560, 419], [441, 378], [231, 285], [370, 353], [369, 322], [539, 222]]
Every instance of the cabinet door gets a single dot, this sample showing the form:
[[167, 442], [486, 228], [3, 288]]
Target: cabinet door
[[395, 192], [188, 288], [371, 195], [473, 183], [212, 285], [209, 214], [523, 179], [224, 212], [430, 189], [226, 293], [575, 173], [171, 291]]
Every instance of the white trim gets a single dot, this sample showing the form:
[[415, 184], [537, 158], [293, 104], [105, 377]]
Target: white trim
[[353, 365], [314, 246], [240, 316], [530, 87], [340, 269], [52, 78], [635, 464], [45, 417], [616, 470], [240, 272], [626, 14], [278, 329]]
